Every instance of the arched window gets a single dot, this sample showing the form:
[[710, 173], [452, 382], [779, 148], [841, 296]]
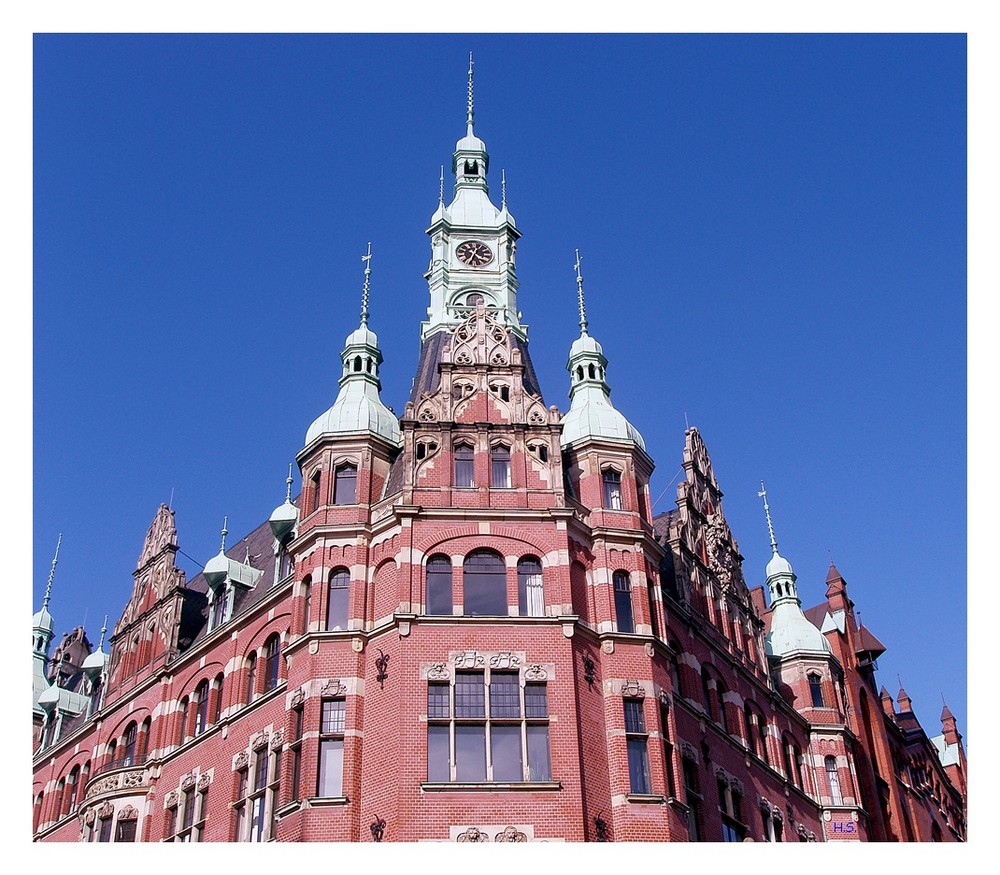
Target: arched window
[[201, 715], [307, 602], [36, 820], [217, 710], [142, 745], [720, 704], [833, 779], [60, 798], [251, 678], [500, 467], [128, 745], [816, 689], [339, 600], [465, 474], [749, 722], [612, 481], [316, 496], [439, 588], [530, 600], [485, 585], [82, 787], [345, 484], [71, 790], [272, 653], [623, 601]]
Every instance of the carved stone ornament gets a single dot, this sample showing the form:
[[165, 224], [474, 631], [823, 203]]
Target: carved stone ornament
[[473, 834], [334, 687], [188, 782], [664, 698], [504, 659], [649, 649], [722, 775], [764, 805], [438, 672], [298, 697], [242, 761], [104, 785], [608, 646], [470, 659], [721, 558], [90, 817], [737, 786], [106, 810], [259, 742], [132, 779], [278, 739], [633, 690], [535, 673], [802, 831], [688, 752], [170, 800], [203, 782], [129, 812], [510, 834]]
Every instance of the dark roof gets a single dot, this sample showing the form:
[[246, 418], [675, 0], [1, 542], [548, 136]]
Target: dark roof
[[868, 643], [662, 523], [261, 547], [817, 615]]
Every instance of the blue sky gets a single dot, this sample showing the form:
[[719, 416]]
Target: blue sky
[[773, 231]]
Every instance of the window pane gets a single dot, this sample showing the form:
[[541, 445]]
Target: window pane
[[529, 589], [612, 489], [260, 771], [437, 700], [623, 602], [505, 695], [539, 766], [331, 768], [638, 765], [439, 593], [257, 819], [464, 466], [470, 753], [438, 754], [345, 485], [333, 716], [470, 694], [500, 467], [536, 702], [125, 831], [506, 752], [485, 583], [635, 720], [336, 612]]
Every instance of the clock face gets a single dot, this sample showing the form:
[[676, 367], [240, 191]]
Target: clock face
[[474, 253]]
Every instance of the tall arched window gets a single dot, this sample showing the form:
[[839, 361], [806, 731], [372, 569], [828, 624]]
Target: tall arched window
[[440, 599], [316, 496], [128, 745], [272, 654], [465, 467], [251, 684], [485, 585], [345, 484], [530, 600], [217, 710], [623, 601], [816, 689], [500, 467], [833, 779], [306, 602], [71, 790], [201, 700], [142, 745], [339, 600], [612, 481]]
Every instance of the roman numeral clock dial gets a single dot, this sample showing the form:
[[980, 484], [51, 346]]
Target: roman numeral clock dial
[[474, 253]]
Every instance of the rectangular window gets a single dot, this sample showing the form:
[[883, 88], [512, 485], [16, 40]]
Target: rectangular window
[[668, 751], [638, 756], [693, 798], [612, 481], [465, 474], [500, 468], [295, 750], [730, 806], [495, 733], [330, 782], [104, 833], [345, 485], [125, 831], [622, 586]]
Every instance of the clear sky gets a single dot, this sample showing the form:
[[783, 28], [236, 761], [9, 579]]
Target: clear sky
[[773, 231]]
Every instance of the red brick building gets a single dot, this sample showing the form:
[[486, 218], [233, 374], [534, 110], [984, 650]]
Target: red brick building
[[470, 627]]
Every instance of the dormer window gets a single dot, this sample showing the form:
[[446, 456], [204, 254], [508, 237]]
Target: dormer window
[[315, 490], [816, 690]]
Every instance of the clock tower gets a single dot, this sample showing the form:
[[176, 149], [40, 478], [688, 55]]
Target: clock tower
[[473, 244]]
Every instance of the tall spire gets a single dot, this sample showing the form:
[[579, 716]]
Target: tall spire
[[285, 516], [767, 513], [470, 114], [441, 189], [503, 189], [579, 294], [52, 574], [289, 481], [367, 259], [225, 531], [104, 629]]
